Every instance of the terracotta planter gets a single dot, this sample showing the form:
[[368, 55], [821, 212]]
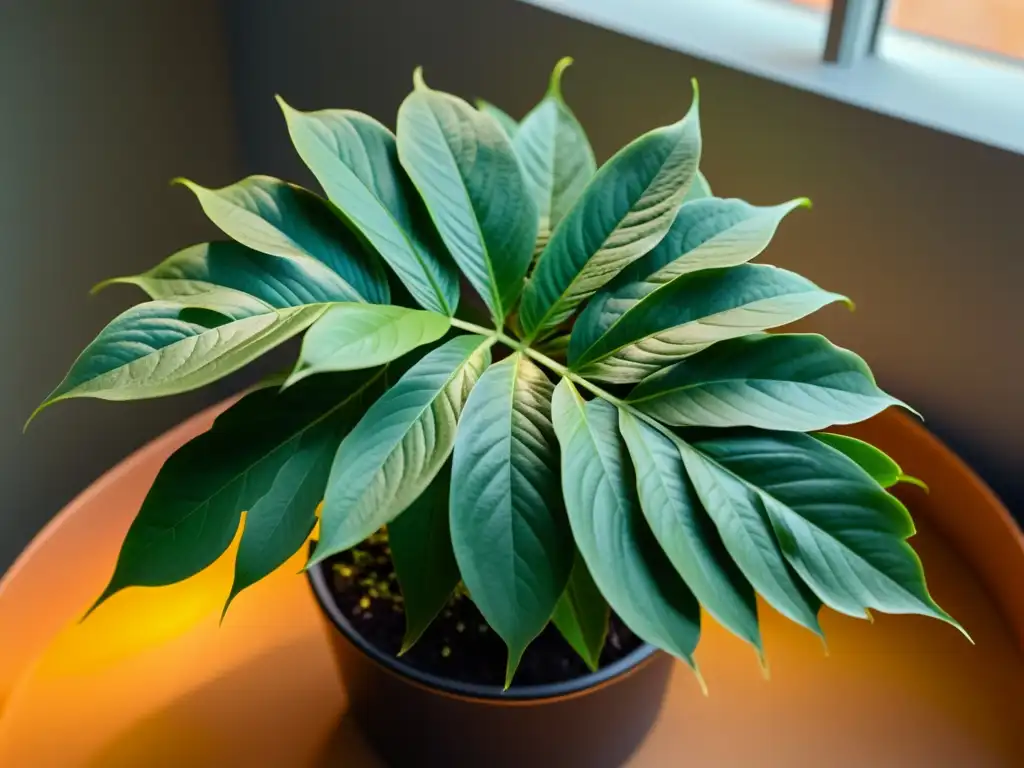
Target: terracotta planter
[[415, 719]]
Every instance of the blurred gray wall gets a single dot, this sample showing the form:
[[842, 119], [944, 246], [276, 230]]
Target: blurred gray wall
[[922, 229], [102, 104]]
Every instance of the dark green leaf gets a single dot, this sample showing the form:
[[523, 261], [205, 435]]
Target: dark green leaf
[[838, 528], [352, 336], [582, 613], [355, 159], [797, 382], [464, 167], [620, 551], [399, 445], [738, 513], [281, 219], [192, 511], [555, 154], [622, 214], [421, 549], [624, 337], [685, 531], [279, 523], [511, 538]]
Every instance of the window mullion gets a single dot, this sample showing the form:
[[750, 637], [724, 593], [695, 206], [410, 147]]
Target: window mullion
[[853, 30]]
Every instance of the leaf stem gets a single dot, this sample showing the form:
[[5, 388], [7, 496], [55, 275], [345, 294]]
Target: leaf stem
[[485, 331], [547, 362]]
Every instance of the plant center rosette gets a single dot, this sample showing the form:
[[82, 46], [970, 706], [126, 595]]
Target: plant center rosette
[[606, 424]]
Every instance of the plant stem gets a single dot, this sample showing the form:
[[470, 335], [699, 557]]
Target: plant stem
[[561, 370], [544, 360]]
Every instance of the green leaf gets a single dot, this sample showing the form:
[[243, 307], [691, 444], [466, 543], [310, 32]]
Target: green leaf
[[883, 469], [355, 159], [197, 272], [399, 445], [798, 382], [699, 189], [279, 523], [555, 154], [626, 336], [620, 551], [508, 123], [839, 529], [157, 348], [622, 214], [509, 531], [738, 513], [421, 549], [708, 234], [582, 613], [352, 336], [280, 219], [192, 511], [685, 532], [464, 167]]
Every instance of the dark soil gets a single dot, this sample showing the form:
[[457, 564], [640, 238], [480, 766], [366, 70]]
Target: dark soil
[[458, 645]]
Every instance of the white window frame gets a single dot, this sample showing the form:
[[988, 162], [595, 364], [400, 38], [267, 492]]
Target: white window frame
[[843, 56]]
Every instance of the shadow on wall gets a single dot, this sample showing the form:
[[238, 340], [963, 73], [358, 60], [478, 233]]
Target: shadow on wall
[[102, 107]]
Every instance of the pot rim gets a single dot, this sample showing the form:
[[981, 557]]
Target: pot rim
[[456, 688]]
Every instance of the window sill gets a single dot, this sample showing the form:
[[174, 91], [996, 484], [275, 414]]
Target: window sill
[[939, 87]]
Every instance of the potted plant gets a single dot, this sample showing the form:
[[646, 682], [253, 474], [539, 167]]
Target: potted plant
[[537, 418]]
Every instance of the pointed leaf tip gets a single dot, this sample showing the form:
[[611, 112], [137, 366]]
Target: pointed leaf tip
[[106, 595], [911, 480], [224, 610], [286, 109], [32, 416], [104, 284], [555, 85], [766, 670], [316, 558], [700, 680], [948, 619], [804, 202], [696, 91], [418, 83], [510, 669]]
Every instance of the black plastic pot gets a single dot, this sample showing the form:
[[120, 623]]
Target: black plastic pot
[[416, 719]]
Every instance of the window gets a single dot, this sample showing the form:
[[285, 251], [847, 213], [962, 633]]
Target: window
[[993, 26], [916, 60]]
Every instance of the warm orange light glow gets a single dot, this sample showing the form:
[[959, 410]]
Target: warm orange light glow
[[141, 619], [153, 679]]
